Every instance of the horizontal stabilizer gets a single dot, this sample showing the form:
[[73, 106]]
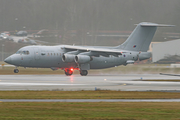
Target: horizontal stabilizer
[[147, 24]]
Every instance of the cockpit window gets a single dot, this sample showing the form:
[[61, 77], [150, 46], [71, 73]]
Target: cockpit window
[[22, 52], [18, 52]]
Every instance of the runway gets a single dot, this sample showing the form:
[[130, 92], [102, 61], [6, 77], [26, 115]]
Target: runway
[[89, 100], [126, 82]]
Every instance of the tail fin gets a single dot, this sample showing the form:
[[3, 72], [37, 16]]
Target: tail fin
[[141, 37]]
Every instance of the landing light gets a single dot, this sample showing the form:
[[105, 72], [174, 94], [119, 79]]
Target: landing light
[[72, 69]]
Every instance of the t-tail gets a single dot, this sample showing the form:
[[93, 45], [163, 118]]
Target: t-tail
[[141, 37]]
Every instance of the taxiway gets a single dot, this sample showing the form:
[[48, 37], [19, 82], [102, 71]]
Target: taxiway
[[89, 100]]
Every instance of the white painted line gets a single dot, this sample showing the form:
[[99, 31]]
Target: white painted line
[[90, 100]]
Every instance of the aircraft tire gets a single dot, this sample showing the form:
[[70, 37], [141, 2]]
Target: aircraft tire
[[83, 72], [69, 73], [16, 70]]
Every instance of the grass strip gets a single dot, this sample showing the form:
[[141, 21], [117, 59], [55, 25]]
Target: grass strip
[[101, 94], [90, 111]]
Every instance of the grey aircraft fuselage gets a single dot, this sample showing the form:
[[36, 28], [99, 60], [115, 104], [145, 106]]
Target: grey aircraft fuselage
[[51, 57]]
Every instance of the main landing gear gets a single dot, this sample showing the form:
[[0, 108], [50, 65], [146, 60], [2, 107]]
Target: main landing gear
[[83, 72], [69, 72], [16, 70]]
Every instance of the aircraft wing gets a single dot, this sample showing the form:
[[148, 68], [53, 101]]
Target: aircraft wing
[[95, 50], [147, 24]]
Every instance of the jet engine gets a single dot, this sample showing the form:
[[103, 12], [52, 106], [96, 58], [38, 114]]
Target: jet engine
[[68, 58], [81, 59]]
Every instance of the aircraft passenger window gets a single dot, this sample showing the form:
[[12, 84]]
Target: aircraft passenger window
[[54, 54], [51, 53], [57, 54]]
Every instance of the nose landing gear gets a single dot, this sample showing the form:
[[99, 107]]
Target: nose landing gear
[[16, 70]]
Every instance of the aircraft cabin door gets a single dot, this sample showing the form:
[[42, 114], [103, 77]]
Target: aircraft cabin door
[[36, 53]]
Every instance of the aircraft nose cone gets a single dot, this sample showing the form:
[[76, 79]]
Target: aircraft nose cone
[[8, 60]]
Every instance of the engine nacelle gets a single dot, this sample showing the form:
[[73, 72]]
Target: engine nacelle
[[81, 59], [68, 58], [144, 55]]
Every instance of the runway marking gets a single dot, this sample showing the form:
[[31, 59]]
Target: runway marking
[[37, 84], [91, 100]]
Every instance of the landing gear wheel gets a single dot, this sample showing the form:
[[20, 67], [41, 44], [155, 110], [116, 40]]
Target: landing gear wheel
[[16, 70], [83, 72], [68, 72]]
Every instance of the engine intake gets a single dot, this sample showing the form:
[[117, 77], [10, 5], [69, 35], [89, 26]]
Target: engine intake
[[81, 59], [68, 58]]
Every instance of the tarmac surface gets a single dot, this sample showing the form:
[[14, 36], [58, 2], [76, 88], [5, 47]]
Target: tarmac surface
[[89, 100], [125, 82]]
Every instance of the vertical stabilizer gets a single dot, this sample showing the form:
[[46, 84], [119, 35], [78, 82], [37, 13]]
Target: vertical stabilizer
[[141, 37]]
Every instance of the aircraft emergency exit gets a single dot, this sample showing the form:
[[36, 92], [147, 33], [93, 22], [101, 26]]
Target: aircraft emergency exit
[[84, 58]]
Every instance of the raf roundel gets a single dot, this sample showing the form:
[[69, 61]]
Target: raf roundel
[[134, 46]]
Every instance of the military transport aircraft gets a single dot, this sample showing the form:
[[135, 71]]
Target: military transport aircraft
[[84, 58]]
